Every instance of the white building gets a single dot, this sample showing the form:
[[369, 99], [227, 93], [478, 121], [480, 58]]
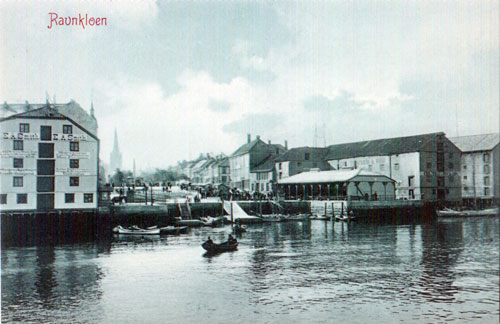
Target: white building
[[48, 161], [480, 168]]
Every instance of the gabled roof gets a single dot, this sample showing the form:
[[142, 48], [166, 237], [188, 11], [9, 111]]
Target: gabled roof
[[333, 176], [387, 146], [47, 112], [224, 162], [71, 110], [265, 166], [245, 148], [474, 143], [298, 154]]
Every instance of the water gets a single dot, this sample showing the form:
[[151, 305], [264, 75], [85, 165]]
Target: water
[[301, 272]]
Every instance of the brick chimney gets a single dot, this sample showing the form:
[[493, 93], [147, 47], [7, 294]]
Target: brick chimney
[[249, 138]]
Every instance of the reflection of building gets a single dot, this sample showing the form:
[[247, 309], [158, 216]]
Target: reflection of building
[[247, 157], [115, 157], [480, 168], [48, 159], [424, 166]]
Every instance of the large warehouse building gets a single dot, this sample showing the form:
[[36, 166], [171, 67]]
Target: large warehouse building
[[49, 158]]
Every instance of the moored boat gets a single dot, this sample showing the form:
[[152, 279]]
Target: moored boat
[[135, 230], [173, 229], [448, 212], [298, 217], [272, 218], [221, 247]]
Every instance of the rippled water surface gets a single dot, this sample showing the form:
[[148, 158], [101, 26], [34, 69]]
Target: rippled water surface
[[296, 272]]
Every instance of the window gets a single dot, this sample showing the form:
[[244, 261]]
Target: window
[[253, 186], [466, 188], [486, 191], [486, 169], [46, 150], [74, 181], [279, 166], [450, 155], [450, 165], [18, 145], [45, 133], [18, 163], [88, 197], [24, 128], [307, 156], [486, 181], [465, 177], [69, 198], [440, 167], [67, 129], [396, 166], [267, 186], [45, 167], [429, 165], [486, 157], [17, 181], [465, 167], [3, 199], [74, 164], [22, 198], [74, 146]]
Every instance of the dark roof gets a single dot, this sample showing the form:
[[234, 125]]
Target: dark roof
[[245, 148], [266, 165], [298, 154], [387, 146]]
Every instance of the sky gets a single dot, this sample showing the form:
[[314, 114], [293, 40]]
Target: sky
[[177, 79]]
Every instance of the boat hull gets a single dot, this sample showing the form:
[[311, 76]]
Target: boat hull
[[467, 213], [218, 248], [125, 231]]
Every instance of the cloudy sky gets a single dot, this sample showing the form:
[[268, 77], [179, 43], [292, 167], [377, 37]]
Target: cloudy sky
[[180, 78]]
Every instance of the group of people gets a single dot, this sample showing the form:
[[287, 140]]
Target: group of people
[[230, 239]]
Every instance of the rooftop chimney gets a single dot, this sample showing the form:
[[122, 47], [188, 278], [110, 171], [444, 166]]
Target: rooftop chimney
[[269, 142], [258, 137], [249, 138], [286, 145]]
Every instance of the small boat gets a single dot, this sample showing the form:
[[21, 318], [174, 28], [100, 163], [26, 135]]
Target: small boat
[[272, 218], [135, 230], [173, 229], [221, 247], [298, 217], [345, 218], [213, 221], [448, 212], [320, 217], [189, 222]]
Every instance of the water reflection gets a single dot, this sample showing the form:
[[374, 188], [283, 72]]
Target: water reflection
[[302, 272]]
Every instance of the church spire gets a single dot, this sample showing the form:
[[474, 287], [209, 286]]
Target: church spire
[[115, 158]]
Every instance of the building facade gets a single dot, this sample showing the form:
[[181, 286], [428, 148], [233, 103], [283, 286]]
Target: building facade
[[48, 162], [425, 167], [480, 169], [301, 159], [246, 157]]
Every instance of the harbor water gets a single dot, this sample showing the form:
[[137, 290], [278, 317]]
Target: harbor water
[[437, 271]]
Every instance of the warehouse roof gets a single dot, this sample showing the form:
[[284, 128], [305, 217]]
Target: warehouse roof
[[387, 146], [473, 143], [333, 176], [298, 154]]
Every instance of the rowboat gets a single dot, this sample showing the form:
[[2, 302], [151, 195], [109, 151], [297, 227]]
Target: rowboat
[[448, 212], [173, 229], [344, 218], [272, 218], [221, 247], [135, 231]]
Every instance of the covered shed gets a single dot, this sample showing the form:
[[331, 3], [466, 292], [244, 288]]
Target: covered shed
[[338, 185]]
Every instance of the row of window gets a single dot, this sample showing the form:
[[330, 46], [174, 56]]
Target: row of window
[[487, 190], [25, 128], [18, 145], [263, 187], [18, 181], [68, 198], [18, 163]]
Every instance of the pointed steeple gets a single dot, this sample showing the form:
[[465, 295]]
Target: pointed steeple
[[115, 158]]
